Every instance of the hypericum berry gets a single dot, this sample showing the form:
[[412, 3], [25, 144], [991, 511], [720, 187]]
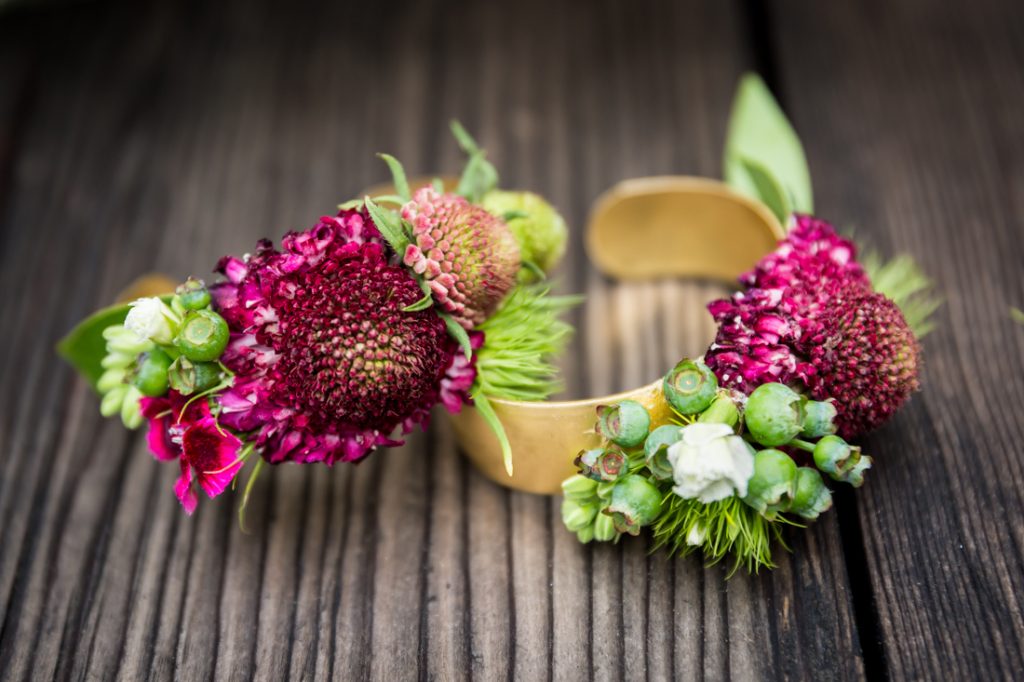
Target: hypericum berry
[[840, 460], [774, 414], [626, 423], [601, 464], [150, 373], [819, 418], [656, 450], [203, 336], [193, 294], [187, 377], [723, 410], [690, 387], [771, 488], [811, 497], [636, 502]]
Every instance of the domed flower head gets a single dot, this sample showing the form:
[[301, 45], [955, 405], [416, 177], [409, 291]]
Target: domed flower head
[[327, 361], [468, 256]]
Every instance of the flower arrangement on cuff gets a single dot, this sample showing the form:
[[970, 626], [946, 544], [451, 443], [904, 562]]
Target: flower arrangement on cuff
[[344, 338], [810, 354]]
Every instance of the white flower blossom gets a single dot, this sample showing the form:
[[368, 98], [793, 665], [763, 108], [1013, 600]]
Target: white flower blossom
[[151, 318], [695, 538], [710, 463]]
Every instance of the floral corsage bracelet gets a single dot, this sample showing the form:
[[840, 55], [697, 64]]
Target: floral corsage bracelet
[[347, 334]]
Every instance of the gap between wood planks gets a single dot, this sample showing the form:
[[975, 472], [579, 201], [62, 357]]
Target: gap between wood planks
[[759, 30]]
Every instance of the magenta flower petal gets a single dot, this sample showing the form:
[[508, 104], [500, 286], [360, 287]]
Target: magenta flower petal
[[184, 491]]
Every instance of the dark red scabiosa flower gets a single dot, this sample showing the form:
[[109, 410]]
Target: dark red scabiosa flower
[[185, 430], [805, 317], [327, 363]]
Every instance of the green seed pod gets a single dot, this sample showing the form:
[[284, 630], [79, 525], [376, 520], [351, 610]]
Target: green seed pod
[[774, 414], [576, 515], [579, 488], [203, 336], [111, 403], [722, 411], [626, 424], [602, 464], [131, 411], [840, 460], [771, 488], [193, 294], [690, 387], [187, 377], [811, 496], [656, 450], [819, 418], [636, 502], [110, 379], [585, 535], [150, 375], [604, 528]]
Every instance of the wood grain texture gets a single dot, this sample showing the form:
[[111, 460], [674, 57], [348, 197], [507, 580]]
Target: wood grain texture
[[156, 136], [911, 114]]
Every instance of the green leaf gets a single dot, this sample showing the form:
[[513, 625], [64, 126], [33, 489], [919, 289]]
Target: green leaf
[[456, 331], [509, 216], [465, 140], [84, 347], [478, 178], [1017, 315], [248, 491], [483, 406], [422, 304], [534, 269], [389, 224], [769, 189], [350, 204], [759, 132], [438, 185], [398, 176]]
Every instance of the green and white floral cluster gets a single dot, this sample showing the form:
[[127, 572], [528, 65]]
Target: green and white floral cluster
[[724, 476]]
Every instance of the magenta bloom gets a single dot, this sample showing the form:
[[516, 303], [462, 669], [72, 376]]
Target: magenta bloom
[[207, 454], [327, 363]]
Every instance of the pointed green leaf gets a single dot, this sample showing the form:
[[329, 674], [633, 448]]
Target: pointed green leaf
[[438, 185], [759, 132], [769, 189], [398, 176], [465, 140], [533, 268], [84, 347], [351, 204], [478, 178], [486, 410], [456, 331], [422, 304], [389, 224]]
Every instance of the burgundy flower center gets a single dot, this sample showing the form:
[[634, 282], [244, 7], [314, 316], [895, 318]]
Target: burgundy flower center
[[348, 352]]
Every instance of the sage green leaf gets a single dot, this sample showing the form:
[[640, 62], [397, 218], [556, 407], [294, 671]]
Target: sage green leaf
[[759, 132], [389, 225], [84, 347], [398, 176], [483, 406], [456, 331], [422, 304], [769, 189], [478, 178], [465, 140]]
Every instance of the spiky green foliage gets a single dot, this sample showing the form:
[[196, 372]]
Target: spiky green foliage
[[729, 527], [902, 280], [521, 341]]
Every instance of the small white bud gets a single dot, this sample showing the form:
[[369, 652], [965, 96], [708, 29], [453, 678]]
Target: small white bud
[[151, 318]]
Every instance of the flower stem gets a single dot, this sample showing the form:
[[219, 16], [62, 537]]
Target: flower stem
[[802, 444]]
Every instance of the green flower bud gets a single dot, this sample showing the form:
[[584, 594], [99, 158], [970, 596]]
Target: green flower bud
[[690, 387], [579, 488], [656, 450], [576, 515], [602, 464], [111, 403], [722, 411], [203, 336], [585, 535], [193, 294], [111, 379], [131, 411], [636, 502], [811, 497], [604, 490], [187, 377], [119, 360], [604, 528], [626, 424], [819, 418], [774, 414], [771, 488], [150, 373], [840, 460], [538, 228]]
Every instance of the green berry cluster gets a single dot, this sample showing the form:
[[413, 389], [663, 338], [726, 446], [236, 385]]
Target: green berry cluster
[[180, 352], [630, 479]]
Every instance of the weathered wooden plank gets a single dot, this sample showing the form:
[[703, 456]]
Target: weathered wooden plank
[[911, 116]]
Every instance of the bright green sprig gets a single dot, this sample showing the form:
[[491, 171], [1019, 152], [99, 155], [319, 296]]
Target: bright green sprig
[[902, 280], [521, 341]]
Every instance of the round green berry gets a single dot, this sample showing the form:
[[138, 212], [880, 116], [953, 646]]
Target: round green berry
[[771, 488], [774, 414], [690, 387], [626, 424], [636, 502], [150, 375], [203, 336]]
